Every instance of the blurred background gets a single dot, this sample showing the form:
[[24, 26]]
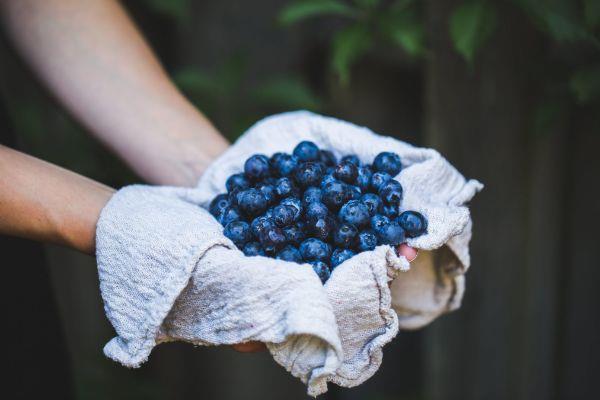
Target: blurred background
[[508, 91]]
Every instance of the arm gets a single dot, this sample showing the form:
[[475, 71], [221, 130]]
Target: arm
[[96, 63], [43, 202]]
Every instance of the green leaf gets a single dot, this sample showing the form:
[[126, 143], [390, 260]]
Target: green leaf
[[591, 12], [286, 93], [177, 9], [348, 45], [194, 80], [471, 24], [304, 9], [405, 28], [585, 84], [367, 4]]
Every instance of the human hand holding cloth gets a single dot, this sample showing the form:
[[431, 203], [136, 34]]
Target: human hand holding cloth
[[168, 273]]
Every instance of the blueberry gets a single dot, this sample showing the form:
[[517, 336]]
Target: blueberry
[[322, 270], [252, 202], [391, 192], [309, 174], [391, 211], [218, 204], [295, 203], [315, 250], [237, 181], [327, 178], [268, 191], [306, 151], [363, 179], [257, 167], [387, 162], [367, 240], [284, 164], [345, 235], [378, 179], [238, 232], [327, 158], [355, 192], [354, 212], [351, 159], [253, 249], [311, 195], [294, 234], [339, 256], [321, 228], [228, 215], [275, 158], [391, 233], [316, 210], [260, 224], [283, 215], [346, 172], [289, 253], [335, 194], [284, 187], [378, 221], [414, 223], [372, 201], [272, 239]]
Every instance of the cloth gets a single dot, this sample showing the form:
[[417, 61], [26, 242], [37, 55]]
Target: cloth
[[168, 273]]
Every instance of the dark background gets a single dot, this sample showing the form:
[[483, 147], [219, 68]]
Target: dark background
[[508, 91]]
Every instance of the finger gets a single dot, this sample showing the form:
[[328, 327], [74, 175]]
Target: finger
[[410, 253], [250, 347]]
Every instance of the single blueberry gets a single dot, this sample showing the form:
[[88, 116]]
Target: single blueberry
[[355, 192], [218, 204], [284, 164], [372, 201], [268, 191], [295, 203], [339, 256], [294, 234], [237, 181], [283, 215], [289, 253], [260, 224], [252, 202], [309, 174], [387, 162], [322, 270], [367, 240], [390, 210], [414, 223], [275, 158], [253, 249], [363, 179], [351, 159], [346, 172], [311, 194], [316, 210], [272, 240], [335, 194], [378, 179], [345, 235], [315, 250], [269, 213], [327, 178], [228, 215], [238, 232], [321, 228], [354, 212], [378, 221], [327, 158], [257, 167], [285, 187], [391, 233], [391, 192], [306, 151]]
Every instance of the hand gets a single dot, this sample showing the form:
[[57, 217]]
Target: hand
[[409, 252]]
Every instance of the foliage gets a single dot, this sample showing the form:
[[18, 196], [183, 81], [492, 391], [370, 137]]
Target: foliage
[[471, 24], [176, 9]]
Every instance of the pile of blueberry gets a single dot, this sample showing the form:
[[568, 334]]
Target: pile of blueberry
[[307, 207]]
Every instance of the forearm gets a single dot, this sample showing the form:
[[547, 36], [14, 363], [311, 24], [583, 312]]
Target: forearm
[[95, 61], [41, 201]]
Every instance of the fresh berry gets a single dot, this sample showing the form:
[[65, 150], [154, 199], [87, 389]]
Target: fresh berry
[[260, 224], [322, 270], [283, 215], [391, 233], [327, 179], [387, 162], [309, 174], [289, 253], [272, 239], [237, 181], [378, 179], [316, 210], [372, 201], [351, 158], [378, 221], [335, 194], [355, 192], [390, 210], [252, 202], [306, 151], [284, 164], [363, 179], [284, 187], [391, 192], [269, 192], [312, 194], [315, 250], [346, 172], [294, 234], [345, 235], [327, 158], [367, 240], [321, 228], [238, 232], [414, 223], [339, 256], [228, 215], [253, 249], [218, 204], [354, 212], [295, 203], [257, 167]]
